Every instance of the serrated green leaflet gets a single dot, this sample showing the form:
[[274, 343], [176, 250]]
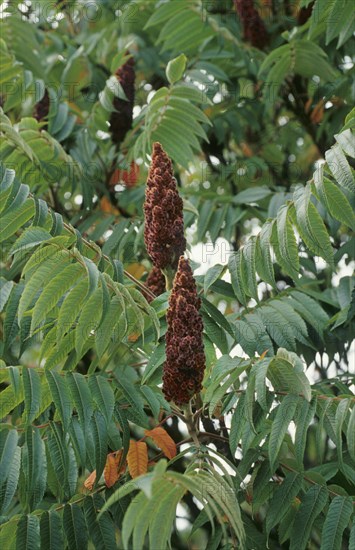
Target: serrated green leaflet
[[311, 506], [60, 395], [287, 242], [103, 395], [53, 291], [89, 320], [338, 516], [305, 416], [99, 429], [102, 531], [27, 535], [12, 221], [32, 393], [74, 527], [284, 414], [282, 499], [283, 376], [51, 530], [50, 266], [70, 308]]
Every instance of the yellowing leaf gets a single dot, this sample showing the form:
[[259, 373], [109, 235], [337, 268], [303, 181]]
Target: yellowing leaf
[[77, 111], [137, 270], [137, 458], [163, 440], [107, 207], [246, 149], [111, 473], [318, 112], [89, 481], [263, 354], [129, 177]]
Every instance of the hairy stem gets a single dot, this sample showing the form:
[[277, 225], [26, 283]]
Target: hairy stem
[[191, 424]]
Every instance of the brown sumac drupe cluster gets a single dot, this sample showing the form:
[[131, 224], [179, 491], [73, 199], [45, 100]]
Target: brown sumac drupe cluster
[[165, 242], [185, 358], [253, 26], [163, 210], [122, 116], [41, 108], [155, 282]]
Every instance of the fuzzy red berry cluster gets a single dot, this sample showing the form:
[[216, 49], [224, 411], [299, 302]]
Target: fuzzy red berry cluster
[[185, 359], [163, 209], [122, 117], [253, 26]]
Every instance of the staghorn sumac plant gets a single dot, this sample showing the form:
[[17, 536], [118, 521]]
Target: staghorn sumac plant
[[209, 404]]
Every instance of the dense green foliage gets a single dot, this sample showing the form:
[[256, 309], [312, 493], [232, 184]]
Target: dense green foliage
[[261, 139]]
